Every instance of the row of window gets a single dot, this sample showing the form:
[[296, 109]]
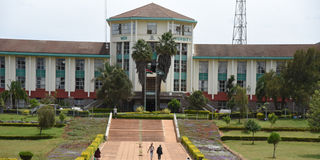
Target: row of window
[[41, 70], [125, 28], [222, 73], [180, 68]]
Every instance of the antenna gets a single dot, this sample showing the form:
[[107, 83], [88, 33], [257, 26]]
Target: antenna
[[105, 19], [240, 23]]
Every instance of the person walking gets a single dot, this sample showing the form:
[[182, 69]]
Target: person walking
[[115, 112], [151, 149], [159, 152], [97, 154]]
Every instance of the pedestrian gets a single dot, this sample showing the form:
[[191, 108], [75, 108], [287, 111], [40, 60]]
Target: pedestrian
[[97, 154], [151, 149], [115, 112], [159, 152]]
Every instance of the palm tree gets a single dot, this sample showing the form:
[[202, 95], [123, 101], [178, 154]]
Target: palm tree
[[15, 93], [116, 86], [167, 47], [142, 55]]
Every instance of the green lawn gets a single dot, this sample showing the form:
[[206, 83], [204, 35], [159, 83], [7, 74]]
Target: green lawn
[[279, 123], [285, 150], [282, 134], [29, 118], [70, 142], [29, 131]]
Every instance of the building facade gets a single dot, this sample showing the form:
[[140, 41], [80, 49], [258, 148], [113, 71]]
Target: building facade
[[68, 69]]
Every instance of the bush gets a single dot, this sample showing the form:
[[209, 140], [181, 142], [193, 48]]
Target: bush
[[8, 159], [36, 137], [264, 138], [226, 119], [252, 126], [27, 124], [260, 116], [274, 139], [62, 117], [272, 118], [191, 148], [25, 112], [102, 110], [174, 105], [145, 116], [139, 109], [87, 154], [196, 112], [166, 111], [227, 128], [25, 155], [46, 117]]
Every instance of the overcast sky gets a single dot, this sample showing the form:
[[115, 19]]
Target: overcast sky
[[269, 21]]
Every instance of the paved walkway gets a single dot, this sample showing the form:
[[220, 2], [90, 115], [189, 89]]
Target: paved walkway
[[130, 139]]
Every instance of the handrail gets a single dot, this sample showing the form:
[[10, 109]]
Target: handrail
[[176, 127], [108, 126]]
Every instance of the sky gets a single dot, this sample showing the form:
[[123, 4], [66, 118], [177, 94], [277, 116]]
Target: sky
[[268, 21]]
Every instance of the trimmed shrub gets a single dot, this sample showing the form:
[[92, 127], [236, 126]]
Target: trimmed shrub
[[139, 109], [25, 112], [145, 116], [88, 153], [191, 148], [27, 124], [196, 112], [62, 117], [174, 105], [228, 128], [264, 138], [102, 110], [79, 158], [8, 159], [36, 137], [25, 155], [166, 111], [272, 118], [226, 119], [260, 116]]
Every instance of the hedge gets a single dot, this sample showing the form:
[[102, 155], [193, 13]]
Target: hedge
[[196, 112], [101, 110], [8, 159], [192, 149], [145, 116], [227, 128], [99, 114], [20, 111], [263, 138], [28, 124], [78, 113], [36, 137], [89, 152]]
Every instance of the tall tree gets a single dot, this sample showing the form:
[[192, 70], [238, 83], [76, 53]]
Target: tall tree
[[314, 112], [142, 55], [302, 75], [15, 93], [197, 100], [116, 86], [167, 47], [231, 88], [241, 99], [46, 117]]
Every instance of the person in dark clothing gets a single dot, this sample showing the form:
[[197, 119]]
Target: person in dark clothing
[[97, 154], [159, 152]]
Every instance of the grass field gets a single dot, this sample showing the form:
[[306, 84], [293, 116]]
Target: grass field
[[282, 134], [279, 123], [285, 150], [70, 142], [29, 131], [29, 118]]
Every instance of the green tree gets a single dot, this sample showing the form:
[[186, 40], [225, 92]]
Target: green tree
[[166, 49], [241, 99], [231, 89], [252, 126], [48, 99], [142, 55], [226, 119], [272, 118], [46, 117], [174, 105], [314, 112], [301, 76], [62, 117], [274, 139], [116, 86], [34, 103], [15, 93], [197, 100]]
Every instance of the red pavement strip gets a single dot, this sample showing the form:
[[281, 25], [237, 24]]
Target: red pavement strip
[[129, 139]]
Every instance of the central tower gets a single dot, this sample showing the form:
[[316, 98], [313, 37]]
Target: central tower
[[240, 23]]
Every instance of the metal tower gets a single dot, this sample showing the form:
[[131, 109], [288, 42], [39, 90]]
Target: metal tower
[[240, 23]]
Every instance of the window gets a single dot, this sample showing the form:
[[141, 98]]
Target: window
[[126, 28], [183, 66], [20, 70], [126, 48], [177, 29], [241, 83], [187, 30], [153, 46], [184, 49], [123, 28], [116, 29], [280, 66], [79, 83], [2, 72], [242, 67], [176, 85], [98, 84], [126, 64], [119, 47], [98, 64], [176, 65], [222, 104], [203, 76], [119, 54], [79, 73], [222, 67], [126, 51], [183, 85], [151, 28], [41, 73], [222, 86], [60, 73], [261, 67]]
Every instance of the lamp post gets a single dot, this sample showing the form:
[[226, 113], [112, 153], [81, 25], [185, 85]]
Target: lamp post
[[145, 81]]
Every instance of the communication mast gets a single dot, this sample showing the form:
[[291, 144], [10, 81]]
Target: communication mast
[[240, 23]]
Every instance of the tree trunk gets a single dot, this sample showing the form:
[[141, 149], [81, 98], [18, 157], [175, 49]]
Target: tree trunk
[[274, 150], [158, 92], [40, 130], [142, 94], [252, 137]]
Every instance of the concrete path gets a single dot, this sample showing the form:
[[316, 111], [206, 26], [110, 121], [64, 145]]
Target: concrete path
[[130, 140]]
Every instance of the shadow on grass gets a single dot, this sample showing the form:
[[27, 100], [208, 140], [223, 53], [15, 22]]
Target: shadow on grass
[[310, 156]]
